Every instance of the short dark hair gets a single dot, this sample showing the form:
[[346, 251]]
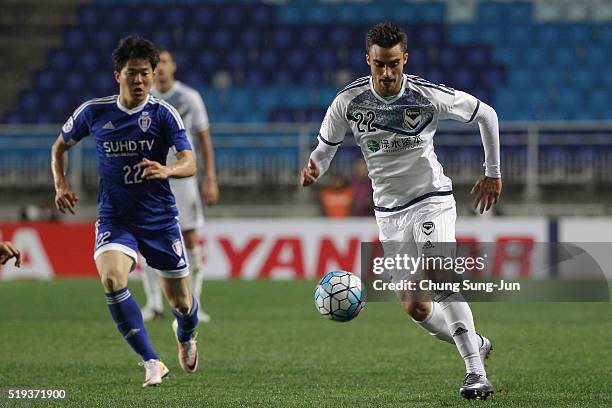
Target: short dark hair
[[134, 47], [163, 48], [386, 35]]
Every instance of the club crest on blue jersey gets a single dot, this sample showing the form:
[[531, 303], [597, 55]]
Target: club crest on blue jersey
[[68, 125], [177, 247], [412, 117], [144, 121]]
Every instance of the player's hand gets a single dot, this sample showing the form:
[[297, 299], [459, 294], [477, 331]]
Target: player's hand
[[8, 251], [65, 198], [210, 191], [486, 193], [153, 170], [309, 174]]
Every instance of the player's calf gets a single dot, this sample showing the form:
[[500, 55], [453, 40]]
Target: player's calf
[[417, 310]]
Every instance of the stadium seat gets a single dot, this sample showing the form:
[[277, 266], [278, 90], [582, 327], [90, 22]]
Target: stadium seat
[[296, 59], [513, 47], [490, 12], [564, 57], [233, 15], [311, 37], [29, 102], [162, 37], [175, 16], [579, 34], [474, 56], [236, 59], [520, 35], [549, 35], [262, 16], [289, 13], [251, 38], [88, 16], [432, 35], [448, 56], [193, 38], [104, 40], [283, 77], [282, 37], [348, 13], [44, 81], [204, 16]]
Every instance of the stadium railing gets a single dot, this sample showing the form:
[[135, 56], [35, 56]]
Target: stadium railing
[[534, 154]]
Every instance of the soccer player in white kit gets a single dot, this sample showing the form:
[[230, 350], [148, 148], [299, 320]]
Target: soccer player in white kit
[[188, 102], [393, 117]]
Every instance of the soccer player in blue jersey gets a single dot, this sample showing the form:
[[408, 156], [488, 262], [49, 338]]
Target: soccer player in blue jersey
[[133, 133]]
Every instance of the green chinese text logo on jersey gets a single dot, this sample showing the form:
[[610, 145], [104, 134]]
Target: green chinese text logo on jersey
[[373, 145]]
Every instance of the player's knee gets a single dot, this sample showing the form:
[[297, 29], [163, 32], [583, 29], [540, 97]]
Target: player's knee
[[112, 281], [417, 310], [181, 303]]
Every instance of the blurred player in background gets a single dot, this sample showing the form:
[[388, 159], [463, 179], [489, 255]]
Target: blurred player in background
[[393, 117], [188, 102], [8, 251], [133, 133]]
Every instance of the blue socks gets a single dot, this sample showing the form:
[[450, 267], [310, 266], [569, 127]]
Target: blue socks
[[127, 316], [187, 323]]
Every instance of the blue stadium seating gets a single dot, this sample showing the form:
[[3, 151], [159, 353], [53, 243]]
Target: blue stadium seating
[[282, 58]]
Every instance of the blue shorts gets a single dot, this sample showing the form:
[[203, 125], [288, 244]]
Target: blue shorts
[[163, 249]]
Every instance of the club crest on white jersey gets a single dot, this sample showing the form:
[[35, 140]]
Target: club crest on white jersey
[[412, 117]]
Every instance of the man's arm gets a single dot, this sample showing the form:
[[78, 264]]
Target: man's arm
[[185, 166], [8, 251], [210, 188], [487, 189], [331, 135], [318, 163], [65, 198]]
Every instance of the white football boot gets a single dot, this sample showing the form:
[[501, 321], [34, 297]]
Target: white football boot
[[155, 372]]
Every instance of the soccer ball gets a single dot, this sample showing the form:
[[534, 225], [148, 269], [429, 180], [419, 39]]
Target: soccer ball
[[338, 296]]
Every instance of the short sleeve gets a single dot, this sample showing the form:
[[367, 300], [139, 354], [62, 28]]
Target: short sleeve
[[335, 124], [77, 126], [175, 130], [199, 116]]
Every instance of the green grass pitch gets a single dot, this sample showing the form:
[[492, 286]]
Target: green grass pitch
[[267, 346]]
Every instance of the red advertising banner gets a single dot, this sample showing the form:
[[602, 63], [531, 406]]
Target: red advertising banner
[[262, 248], [50, 249]]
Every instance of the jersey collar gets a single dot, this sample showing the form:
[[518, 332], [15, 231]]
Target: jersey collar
[[395, 97], [133, 110]]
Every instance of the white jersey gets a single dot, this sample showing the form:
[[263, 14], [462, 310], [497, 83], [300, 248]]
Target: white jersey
[[189, 104], [396, 136]]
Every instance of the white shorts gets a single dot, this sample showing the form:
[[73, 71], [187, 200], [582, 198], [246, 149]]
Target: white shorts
[[189, 203], [425, 229]]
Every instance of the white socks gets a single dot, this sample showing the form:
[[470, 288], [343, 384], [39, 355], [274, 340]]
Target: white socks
[[150, 281], [460, 322], [195, 276], [435, 324]]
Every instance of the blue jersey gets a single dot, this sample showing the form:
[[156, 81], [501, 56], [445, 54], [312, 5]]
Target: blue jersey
[[123, 138]]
